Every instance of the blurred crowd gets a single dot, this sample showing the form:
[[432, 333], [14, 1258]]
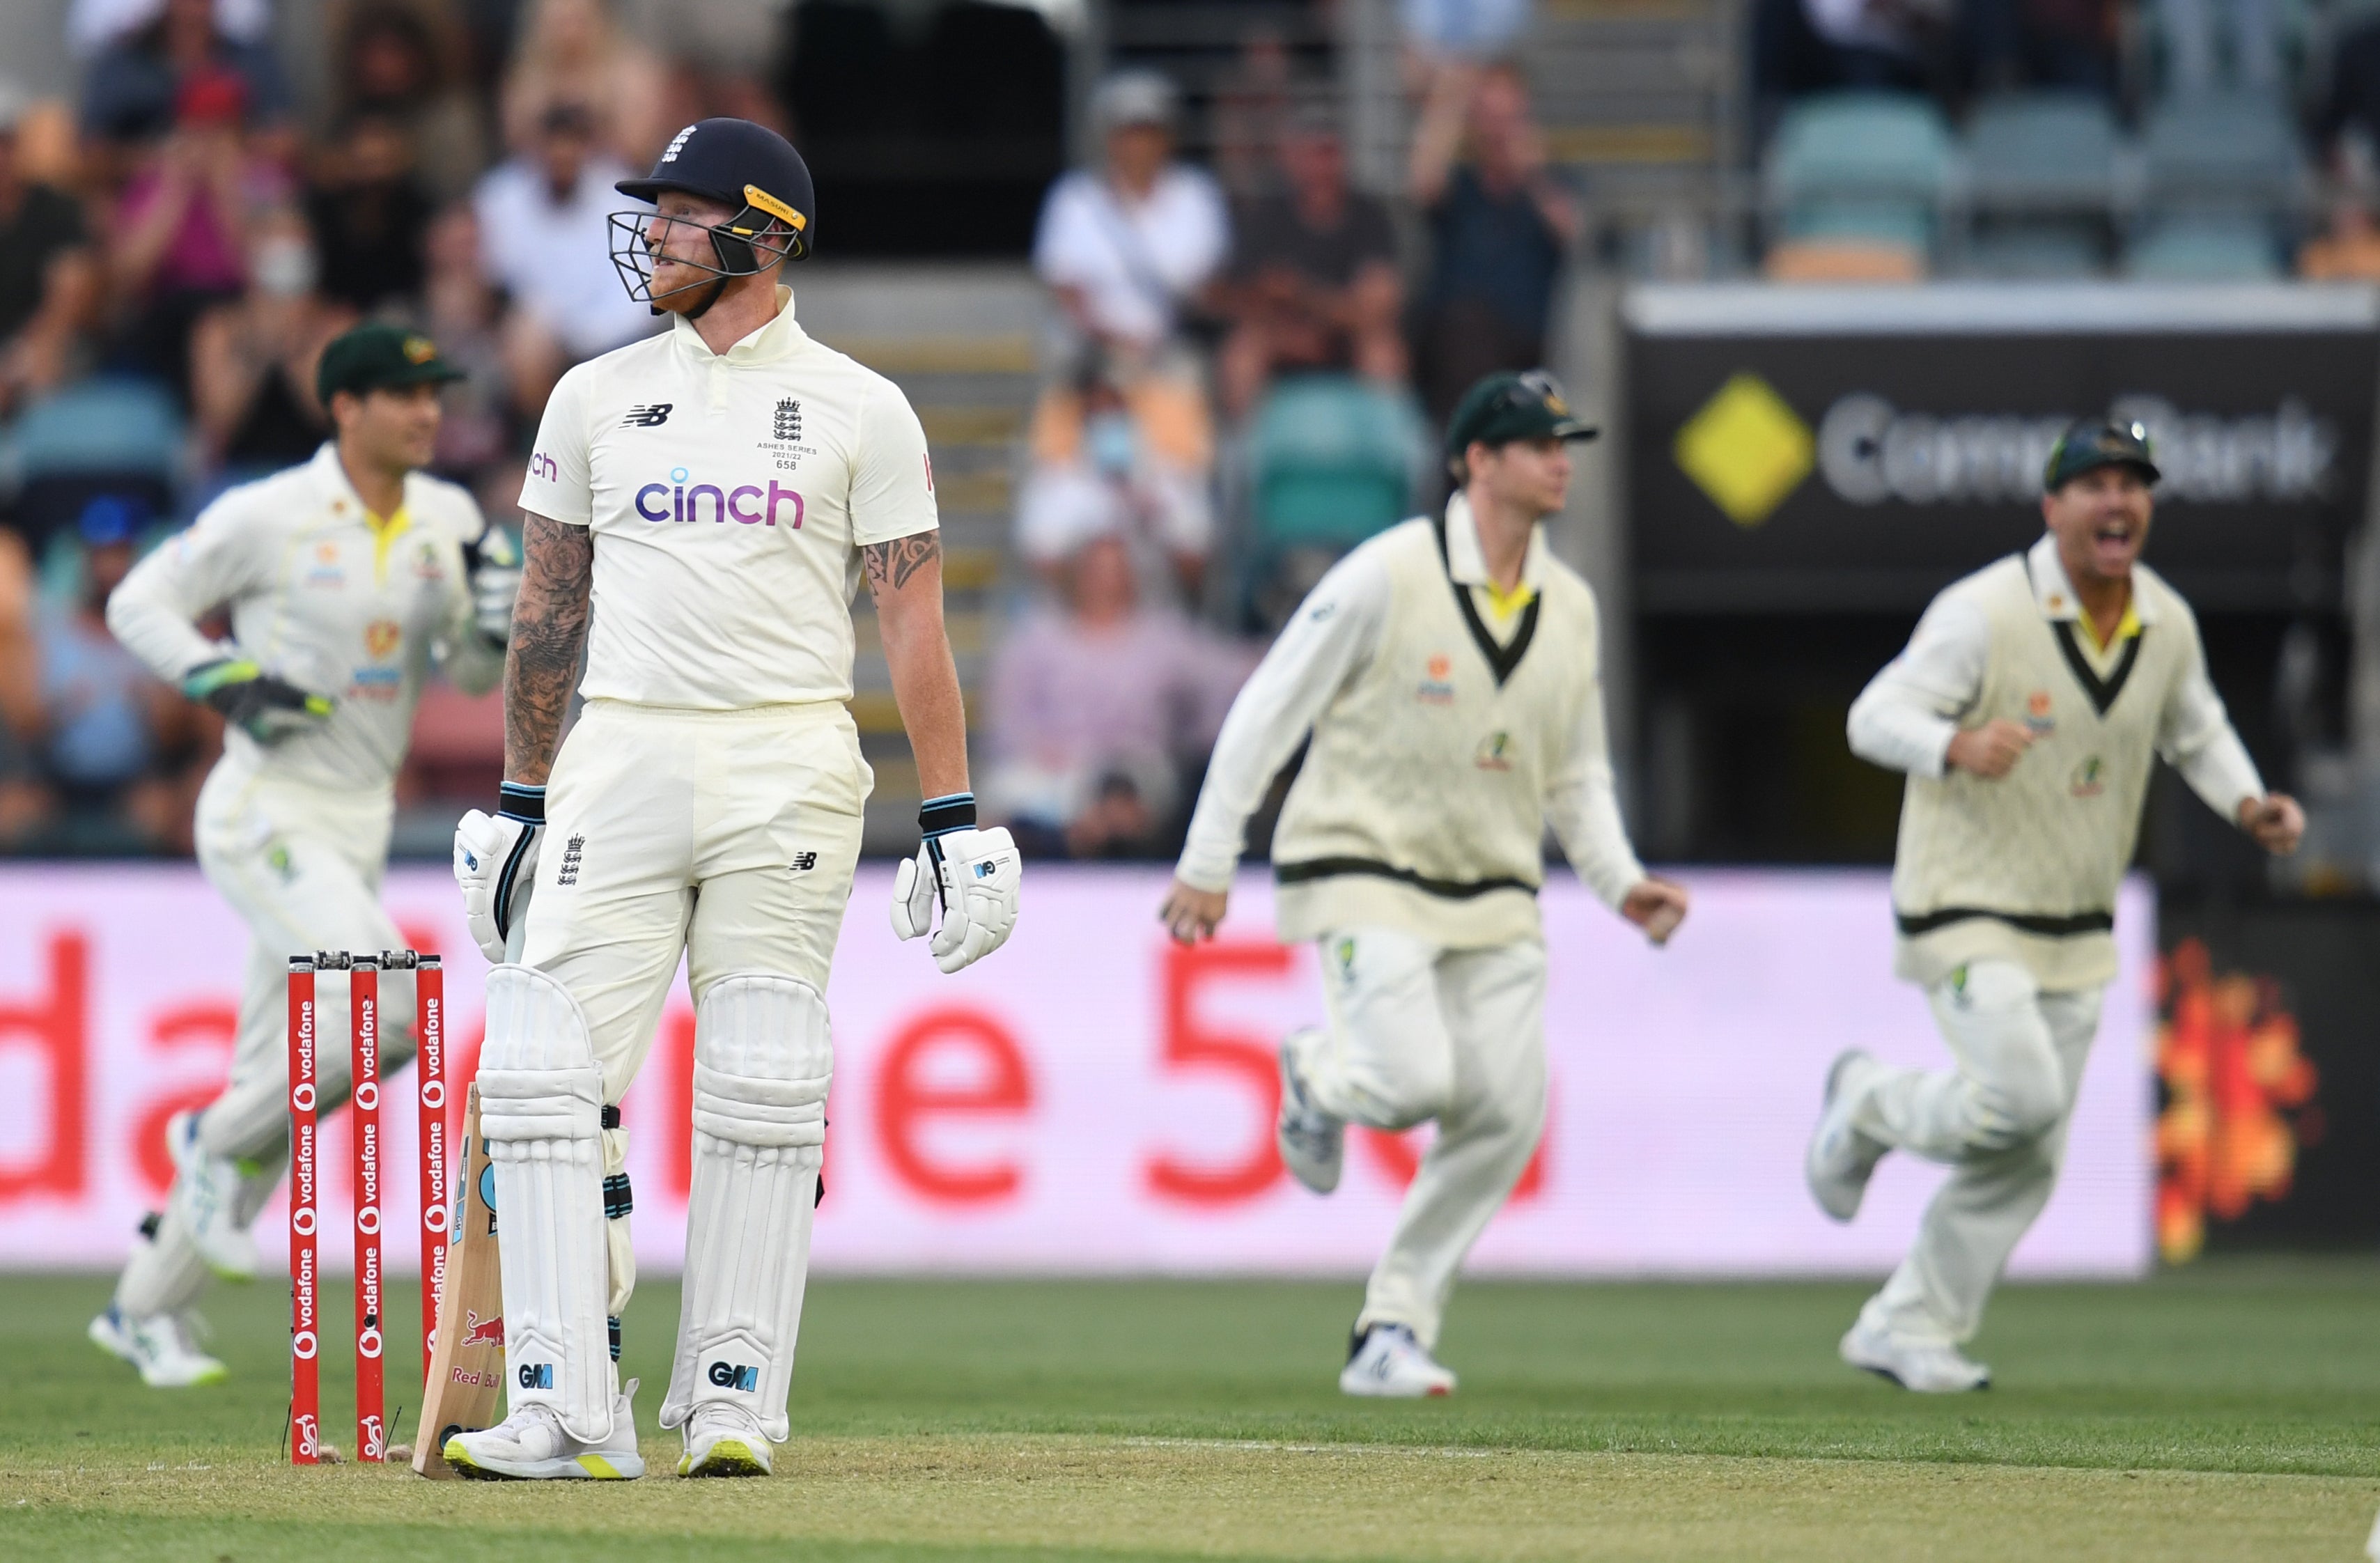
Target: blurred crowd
[[2161, 140], [177, 243], [1248, 352], [1253, 356]]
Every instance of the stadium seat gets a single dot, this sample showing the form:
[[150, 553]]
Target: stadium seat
[[2204, 248], [1331, 462], [2230, 151], [1875, 167], [108, 435], [2041, 185]]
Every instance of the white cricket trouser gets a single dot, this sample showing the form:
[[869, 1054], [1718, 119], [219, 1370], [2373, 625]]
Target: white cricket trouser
[[302, 865], [729, 838], [1998, 1120], [1422, 1032]]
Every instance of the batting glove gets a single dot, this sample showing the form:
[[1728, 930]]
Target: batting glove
[[492, 566], [267, 708], [495, 864], [974, 876]]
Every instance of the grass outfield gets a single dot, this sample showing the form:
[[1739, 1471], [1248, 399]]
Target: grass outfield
[[2232, 1411]]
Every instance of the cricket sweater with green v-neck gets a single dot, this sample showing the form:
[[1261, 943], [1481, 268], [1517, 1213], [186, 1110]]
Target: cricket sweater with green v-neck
[[1450, 724]]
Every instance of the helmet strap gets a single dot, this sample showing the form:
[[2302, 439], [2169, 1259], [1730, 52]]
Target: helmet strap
[[709, 296]]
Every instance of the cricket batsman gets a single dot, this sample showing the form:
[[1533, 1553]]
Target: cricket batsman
[[345, 580], [2027, 711], [710, 498], [1448, 672]]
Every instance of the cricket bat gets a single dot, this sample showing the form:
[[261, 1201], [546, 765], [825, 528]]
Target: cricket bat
[[467, 1365]]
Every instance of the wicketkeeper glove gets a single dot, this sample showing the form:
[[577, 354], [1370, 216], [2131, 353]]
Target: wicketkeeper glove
[[267, 708], [492, 566], [973, 875], [495, 864]]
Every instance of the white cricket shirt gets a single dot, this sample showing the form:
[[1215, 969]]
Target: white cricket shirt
[[328, 595], [729, 494]]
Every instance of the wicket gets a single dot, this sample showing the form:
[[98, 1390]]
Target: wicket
[[305, 1318]]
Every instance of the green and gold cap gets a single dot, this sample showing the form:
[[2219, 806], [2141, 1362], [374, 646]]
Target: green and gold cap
[[377, 356]]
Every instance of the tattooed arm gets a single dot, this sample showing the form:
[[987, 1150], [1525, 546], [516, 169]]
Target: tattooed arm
[[549, 634], [905, 575]]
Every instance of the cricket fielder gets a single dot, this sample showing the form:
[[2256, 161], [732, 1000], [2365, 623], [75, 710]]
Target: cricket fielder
[[346, 580], [2027, 711], [1448, 672], [710, 497]]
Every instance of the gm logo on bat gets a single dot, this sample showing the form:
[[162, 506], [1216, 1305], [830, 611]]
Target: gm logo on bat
[[684, 502]]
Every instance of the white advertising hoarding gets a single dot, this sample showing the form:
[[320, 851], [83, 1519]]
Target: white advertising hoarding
[[1093, 1099]]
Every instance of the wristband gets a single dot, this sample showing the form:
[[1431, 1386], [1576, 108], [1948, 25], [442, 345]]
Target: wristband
[[525, 804], [939, 817]]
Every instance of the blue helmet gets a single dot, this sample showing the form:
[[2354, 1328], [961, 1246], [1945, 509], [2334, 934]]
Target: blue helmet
[[750, 169]]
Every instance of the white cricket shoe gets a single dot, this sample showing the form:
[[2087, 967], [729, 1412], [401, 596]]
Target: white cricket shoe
[[1842, 1158], [723, 1441], [1388, 1362], [162, 1347], [206, 1201], [1930, 1367], [531, 1446], [1313, 1144]]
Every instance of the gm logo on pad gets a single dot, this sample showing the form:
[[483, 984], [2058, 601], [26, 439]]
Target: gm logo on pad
[[733, 1375]]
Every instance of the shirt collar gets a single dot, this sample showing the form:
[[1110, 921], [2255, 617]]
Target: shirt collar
[[780, 336], [2054, 593], [1467, 562], [333, 474]]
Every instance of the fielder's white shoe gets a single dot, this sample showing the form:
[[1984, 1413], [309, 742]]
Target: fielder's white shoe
[[723, 1441], [162, 1347], [1313, 1144], [531, 1446], [1842, 1158], [1930, 1367], [1387, 1360], [206, 1201]]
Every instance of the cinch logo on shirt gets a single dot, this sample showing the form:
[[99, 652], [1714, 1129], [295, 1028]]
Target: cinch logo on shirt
[[737, 503]]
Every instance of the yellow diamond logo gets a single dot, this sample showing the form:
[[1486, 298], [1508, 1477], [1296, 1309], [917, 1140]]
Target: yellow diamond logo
[[1746, 449]]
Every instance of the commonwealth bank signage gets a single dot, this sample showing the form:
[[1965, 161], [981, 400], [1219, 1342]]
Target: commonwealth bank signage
[[1827, 449]]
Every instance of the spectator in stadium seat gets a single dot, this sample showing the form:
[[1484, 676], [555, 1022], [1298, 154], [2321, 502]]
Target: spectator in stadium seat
[[252, 360], [368, 212], [135, 85], [462, 314], [1499, 224], [1114, 458], [1314, 283], [108, 729], [401, 62], [176, 250], [49, 279], [575, 53], [543, 238], [24, 803], [1096, 712], [1250, 112], [1131, 250]]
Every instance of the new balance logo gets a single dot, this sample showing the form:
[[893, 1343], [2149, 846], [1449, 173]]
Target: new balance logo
[[734, 1375], [648, 417], [536, 1376], [803, 862]]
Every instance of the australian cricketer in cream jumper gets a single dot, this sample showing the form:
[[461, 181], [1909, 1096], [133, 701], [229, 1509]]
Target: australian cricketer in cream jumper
[[340, 607], [1453, 717], [710, 497], [2028, 711]]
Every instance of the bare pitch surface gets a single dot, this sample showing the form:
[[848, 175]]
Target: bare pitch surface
[[2234, 1413]]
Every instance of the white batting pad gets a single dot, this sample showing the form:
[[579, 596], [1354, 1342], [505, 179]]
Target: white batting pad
[[540, 1109], [762, 1062]]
